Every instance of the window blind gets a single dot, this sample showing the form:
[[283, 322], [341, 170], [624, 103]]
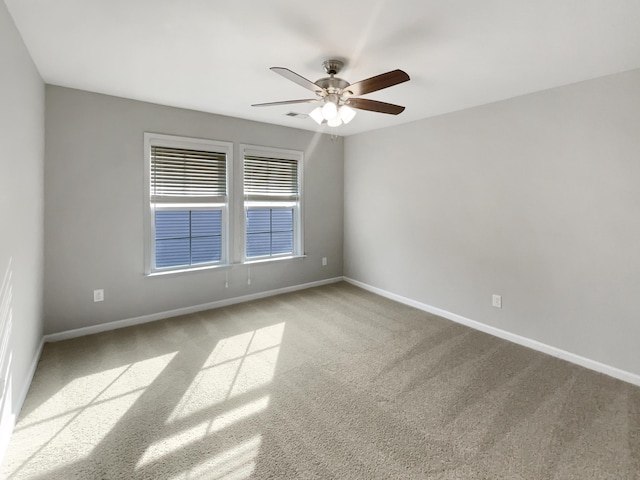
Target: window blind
[[186, 175], [270, 179]]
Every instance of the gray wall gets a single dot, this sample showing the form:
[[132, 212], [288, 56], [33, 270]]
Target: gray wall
[[535, 198], [95, 199], [21, 218]]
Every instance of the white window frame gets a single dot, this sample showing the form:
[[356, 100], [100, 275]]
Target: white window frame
[[157, 139], [298, 205]]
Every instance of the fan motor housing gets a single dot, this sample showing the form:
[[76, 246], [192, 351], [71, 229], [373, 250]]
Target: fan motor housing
[[332, 84]]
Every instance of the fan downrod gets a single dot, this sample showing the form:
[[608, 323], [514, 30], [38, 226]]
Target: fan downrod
[[332, 67]]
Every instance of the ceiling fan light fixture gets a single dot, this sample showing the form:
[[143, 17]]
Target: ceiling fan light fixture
[[346, 113], [316, 115]]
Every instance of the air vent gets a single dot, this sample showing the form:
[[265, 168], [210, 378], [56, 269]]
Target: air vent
[[297, 115]]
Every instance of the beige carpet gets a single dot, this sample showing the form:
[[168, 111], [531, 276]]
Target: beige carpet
[[327, 383]]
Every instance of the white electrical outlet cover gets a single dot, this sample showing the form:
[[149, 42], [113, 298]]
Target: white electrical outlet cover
[[496, 301]]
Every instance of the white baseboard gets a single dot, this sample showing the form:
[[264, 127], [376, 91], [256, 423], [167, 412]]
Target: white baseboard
[[103, 327], [512, 337], [9, 423]]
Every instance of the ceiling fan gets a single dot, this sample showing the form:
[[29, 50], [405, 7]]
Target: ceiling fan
[[336, 95]]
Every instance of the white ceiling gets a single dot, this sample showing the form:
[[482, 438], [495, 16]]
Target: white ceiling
[[214, 56]]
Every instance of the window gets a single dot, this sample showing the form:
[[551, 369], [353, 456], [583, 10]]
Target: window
[[187, 184], [272, 202]]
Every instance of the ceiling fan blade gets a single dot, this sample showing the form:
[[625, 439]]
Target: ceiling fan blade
[[375, 106], [300, 80], [286, 102], [376, 83]]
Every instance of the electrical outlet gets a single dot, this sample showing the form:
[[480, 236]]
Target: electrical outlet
[[496, 301], [324, 261], [98, 295]]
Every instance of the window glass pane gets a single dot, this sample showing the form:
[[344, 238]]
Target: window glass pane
[[269, 231], [206, 249], [258, 220], [188, 237], [282, 219], [172, 223], [172, 252], [281, 242], [258, 244], [206, 222]]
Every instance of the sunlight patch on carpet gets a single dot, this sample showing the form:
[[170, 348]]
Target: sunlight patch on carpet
[[66, 422], [184, 439], [237, 365]]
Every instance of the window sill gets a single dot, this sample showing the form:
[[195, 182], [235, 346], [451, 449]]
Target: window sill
[[225, 265], [187, 270], [270, 259]]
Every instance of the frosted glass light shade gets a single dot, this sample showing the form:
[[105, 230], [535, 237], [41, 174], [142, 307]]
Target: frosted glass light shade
[[346, 114], [329, 111], [335, 122], [316, 114]]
